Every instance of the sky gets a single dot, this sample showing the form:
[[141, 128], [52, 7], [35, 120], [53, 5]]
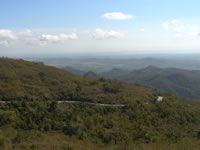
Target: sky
[[48, 27]]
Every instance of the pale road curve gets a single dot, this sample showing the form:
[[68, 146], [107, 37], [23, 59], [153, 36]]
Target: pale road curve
[[96, 104]]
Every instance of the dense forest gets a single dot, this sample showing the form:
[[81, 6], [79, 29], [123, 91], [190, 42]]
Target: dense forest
[[32, 118]]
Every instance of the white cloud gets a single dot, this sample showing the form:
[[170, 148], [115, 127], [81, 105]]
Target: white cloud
[[26, 33], [181, 29], [117, 16], [6, 36], [102, 34], [165, 26], [58, 38], [27, 37]]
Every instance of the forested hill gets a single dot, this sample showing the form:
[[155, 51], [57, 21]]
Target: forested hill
[[175, 81], [23, 80], [32, 119]]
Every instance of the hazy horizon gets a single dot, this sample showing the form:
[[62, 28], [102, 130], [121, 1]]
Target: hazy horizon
[[118, 55]]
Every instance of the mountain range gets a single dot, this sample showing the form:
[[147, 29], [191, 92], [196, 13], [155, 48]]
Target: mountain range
[[172, 80]]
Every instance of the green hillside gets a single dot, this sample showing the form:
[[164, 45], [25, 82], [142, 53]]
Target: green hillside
[[32, 119], [172, 80], [23, 80]]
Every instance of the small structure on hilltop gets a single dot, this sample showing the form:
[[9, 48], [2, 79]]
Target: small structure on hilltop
[[159, 99]]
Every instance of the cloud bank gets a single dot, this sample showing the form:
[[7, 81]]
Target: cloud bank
[[26, 36], [58, 38], [26, 33], [7, 36]]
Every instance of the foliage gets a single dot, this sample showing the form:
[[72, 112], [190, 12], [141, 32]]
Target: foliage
[[32, 118], [31, 81]]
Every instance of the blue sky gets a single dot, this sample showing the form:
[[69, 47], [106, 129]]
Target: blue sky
[[63, 26]]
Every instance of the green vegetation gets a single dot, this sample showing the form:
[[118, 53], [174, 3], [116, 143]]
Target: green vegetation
[[172, 80], [32, 119], [29, 125], [23, 80]]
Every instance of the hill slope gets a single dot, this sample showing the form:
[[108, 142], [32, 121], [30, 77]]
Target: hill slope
[[50, 125], [21, 79], [176, 81]]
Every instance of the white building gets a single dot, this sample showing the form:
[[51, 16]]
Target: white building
[[160, 99]]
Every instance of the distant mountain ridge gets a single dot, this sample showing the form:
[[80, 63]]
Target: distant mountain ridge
[[176, 81], [100, 65], [172, 80]]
